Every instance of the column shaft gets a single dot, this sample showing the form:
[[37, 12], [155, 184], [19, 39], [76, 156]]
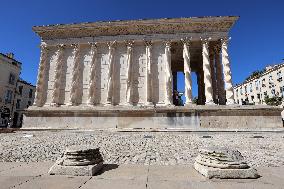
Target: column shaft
[[92, 82], [213, 73], [129, 71], [168, 74], [219, 75], [41, 87], [58, 76], [227, 73], [148, 73], [187, 74], [207, 72], [76, 76], [110, 83]]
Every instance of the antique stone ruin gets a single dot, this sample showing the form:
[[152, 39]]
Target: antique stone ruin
[[78, 161], [224, 164], [122, 74]]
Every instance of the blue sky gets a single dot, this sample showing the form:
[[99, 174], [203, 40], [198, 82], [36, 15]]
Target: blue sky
[[257, 38]]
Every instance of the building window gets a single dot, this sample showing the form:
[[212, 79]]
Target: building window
[[241, 91], [18, 104], [252, 98], [256, 85], [29, 103], [282, 91], [265, 94], [237, 92], [30, 93], [279, 76], [273, 92], [20, 90], [263, 82], [8, 97], [246, 91], [12, 79], [258, 96], [250, 87]]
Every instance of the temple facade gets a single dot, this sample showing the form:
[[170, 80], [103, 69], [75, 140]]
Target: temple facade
[[134, 62], [122, 74]]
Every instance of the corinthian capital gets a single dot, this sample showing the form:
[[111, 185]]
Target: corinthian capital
[[75, 47], [168, 43], [60, 46], [225, 40], [205, 40], [111, 44], [186, 41], [148, 43], [129, 43]]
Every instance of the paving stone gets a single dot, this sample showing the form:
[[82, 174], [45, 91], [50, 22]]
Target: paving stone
[[28, 169], [137, 172], [115, 184], [11, 181], [54, 182]]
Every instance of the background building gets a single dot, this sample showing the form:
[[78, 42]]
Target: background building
[[10, 83], [9, 73], [268, 83], [24, 98]]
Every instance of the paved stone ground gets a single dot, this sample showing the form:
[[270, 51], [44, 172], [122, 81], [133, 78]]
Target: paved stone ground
[[264, 149], [34, 175]]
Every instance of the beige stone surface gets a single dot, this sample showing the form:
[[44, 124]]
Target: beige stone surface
[[155, 177]]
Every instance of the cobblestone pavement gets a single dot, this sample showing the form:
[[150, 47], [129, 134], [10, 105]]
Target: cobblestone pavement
[[149, 148]]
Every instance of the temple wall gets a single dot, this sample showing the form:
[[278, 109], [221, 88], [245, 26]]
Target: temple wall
[[102, 68]]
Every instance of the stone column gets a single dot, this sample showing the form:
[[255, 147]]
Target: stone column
[[219, 76], [129, 72], [92, 82], [213, 73], [41, 86], [187, 72], [227, 72], [110, 83], [74, 91], [168, 74], [207, 72], [148, 73], [58, 76]]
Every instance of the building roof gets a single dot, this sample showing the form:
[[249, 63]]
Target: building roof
[[25, 82], [267, 71], [11, 60], [137, 27]]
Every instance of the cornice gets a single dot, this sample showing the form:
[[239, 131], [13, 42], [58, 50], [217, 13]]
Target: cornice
[[137, 27]]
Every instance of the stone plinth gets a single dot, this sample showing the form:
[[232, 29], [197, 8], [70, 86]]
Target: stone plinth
[[224, 164], [195, 117], [78, 161]]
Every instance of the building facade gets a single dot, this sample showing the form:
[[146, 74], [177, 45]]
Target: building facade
[[269, 84], [121, 74], [9, 74], [133, 63], [24, 98]]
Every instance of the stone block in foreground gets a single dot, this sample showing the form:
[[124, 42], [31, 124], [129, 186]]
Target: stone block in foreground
[[78, 161], [224, 164]]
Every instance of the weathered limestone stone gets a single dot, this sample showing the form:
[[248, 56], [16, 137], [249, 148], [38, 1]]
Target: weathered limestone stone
[[223, 163], [78, 161]]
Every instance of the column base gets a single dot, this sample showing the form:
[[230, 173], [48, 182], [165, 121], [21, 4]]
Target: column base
[[230, 102], [211, 102]]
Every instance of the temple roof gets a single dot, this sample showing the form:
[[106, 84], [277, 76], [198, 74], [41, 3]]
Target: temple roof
[[137, 27]]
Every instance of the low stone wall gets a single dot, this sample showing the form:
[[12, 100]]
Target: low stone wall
[[197, 117]]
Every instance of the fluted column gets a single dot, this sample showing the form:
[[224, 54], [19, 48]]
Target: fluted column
[[41, 87], [187, 72], [74, 91], [213, 75], [207, 72], [58, 76], [129, 72], [168, 74], [92, 82], [219, 76], [110, 83], [227, 72], [148, 73]]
